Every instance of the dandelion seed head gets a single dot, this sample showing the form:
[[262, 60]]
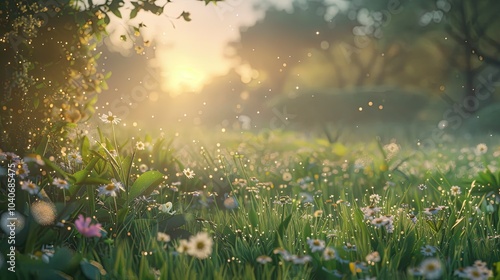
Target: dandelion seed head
[[44, 213]]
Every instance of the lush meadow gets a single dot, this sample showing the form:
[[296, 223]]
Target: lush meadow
[[270, 205]]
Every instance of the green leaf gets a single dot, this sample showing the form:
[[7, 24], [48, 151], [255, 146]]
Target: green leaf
[[180, 233], [145, 183], [144, 270], [185, 15], [62, 258], [229, 235], [116, 12], [134, 12], [497, 270], [40, 149], [457, 222], [211, 1], [108, 75], [307, 231], [432, 225], [83, 174], [107, 20], [92, 270], [253, 217], [85, 147], [36, 102], [284, 225], [93, 181], [56, 168], [172, 223], [122, 214]]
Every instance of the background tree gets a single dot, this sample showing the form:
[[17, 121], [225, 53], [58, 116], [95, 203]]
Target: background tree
[[474, 26], [350, 49], [50, 73], [337, 58], [466, 33]]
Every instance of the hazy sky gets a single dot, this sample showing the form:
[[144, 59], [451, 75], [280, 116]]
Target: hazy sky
[[188, 53]]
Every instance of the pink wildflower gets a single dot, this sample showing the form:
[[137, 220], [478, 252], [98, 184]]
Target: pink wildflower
[[86, 229]]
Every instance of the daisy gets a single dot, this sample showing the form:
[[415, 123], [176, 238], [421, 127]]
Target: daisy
[[373, 257], [316, 244], [375, 199], [110, 118], [34, 158], [422, 187], [455, 190], [163, 237], [474, 273], [301, 259], [370, 211], [230, 202], [433, 210], [183, 246], [60, 183], [329, 254], [22, 170], [29, 186], [428, 250], [10, 157], [176, 184], [143, 168], [381, 221], [140, 146], [283, 253], [349, 247], [188, 173], [264, 259], [431, 268], [287, 176], [86, 229], [481, 149], [200, 245], [284, 199], [240, 182], [413, 218], [111, 188], [75, 157], [392, 148], [166, 208], [139, 49], [318, 213]]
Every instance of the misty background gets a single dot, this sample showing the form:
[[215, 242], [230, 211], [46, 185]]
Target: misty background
[[422, 69]]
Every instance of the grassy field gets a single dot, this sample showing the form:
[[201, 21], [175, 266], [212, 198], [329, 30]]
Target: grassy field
[[273, 205]]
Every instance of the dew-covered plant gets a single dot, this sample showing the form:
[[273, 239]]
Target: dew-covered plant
[[269, 208]]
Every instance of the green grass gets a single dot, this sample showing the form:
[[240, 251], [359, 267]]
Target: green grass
[[288, 189]]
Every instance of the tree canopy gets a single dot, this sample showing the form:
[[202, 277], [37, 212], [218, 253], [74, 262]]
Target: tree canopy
[[50, 73]]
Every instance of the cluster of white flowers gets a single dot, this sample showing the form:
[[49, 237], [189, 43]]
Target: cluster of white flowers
[[477, 271]]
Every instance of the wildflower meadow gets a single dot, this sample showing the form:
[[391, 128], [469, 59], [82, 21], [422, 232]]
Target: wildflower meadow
[[249, 139], [274, 206]]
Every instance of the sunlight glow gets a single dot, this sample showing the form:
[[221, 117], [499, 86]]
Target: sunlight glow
[[184, 79]]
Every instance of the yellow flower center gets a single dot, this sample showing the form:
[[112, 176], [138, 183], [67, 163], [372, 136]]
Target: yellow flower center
[[431, 267], [110, 187]]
